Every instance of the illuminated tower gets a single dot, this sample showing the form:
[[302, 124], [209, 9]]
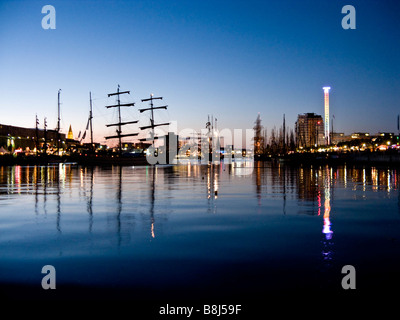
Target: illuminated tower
[[326, 122]]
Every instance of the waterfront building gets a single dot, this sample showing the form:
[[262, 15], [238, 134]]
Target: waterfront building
[[360, 135], [309, 130], [337, 137], [25, 139]]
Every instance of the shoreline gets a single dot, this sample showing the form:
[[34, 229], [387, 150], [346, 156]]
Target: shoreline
[[351, 158], [391, 159]]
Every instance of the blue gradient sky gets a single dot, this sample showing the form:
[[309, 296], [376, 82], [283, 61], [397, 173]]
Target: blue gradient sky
[[231, 59]]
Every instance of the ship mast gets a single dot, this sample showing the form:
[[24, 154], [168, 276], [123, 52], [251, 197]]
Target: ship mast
[[210, 138], [119, 124], [58, 123], [152, 124], [90, 119], [37, 135], [45, 136]]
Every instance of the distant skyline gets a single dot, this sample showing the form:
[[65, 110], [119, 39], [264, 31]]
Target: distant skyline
[[230, 59]]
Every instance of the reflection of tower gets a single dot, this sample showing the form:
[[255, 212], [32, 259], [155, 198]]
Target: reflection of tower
[[326, 120], [327, 224], [327, 242]]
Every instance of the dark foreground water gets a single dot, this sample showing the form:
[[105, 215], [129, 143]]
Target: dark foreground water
[[199, 233]]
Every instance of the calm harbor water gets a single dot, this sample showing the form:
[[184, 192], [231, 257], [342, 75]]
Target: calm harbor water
[[194, 231]]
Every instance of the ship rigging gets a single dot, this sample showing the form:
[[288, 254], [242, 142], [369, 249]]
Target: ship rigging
[[119, 124]]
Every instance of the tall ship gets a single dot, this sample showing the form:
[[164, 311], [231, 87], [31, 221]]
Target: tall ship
[[147, 149]]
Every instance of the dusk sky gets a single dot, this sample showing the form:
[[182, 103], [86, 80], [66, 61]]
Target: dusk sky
[[231, 59]]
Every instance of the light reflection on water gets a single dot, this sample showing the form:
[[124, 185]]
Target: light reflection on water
[[272, 215]]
